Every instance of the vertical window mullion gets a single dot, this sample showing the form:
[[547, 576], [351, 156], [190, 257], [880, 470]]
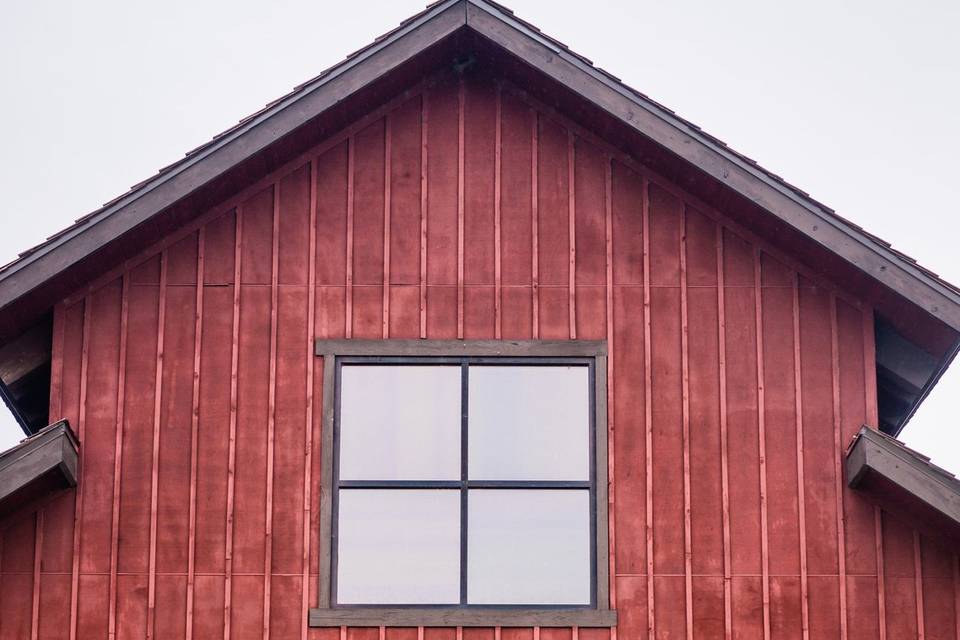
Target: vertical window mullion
[[464, 475]]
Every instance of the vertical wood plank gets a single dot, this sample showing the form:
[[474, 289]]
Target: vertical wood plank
[[118, 456], [873, 420], [918, 584], [724, 455], [460, 205], [535, 218], [351, 171], [308, 426], [78, 491], [387, 179], [956, 592], [648, 405], [56, 363], [424, 123], [155, 459], [271, 411], [611, 351], [232, 442], [37, 562], [497, 168], [801, 498], [195, 434], [869, 368], [572, 234], [762, 440], [685, 412], [881, 573], [838, 467]]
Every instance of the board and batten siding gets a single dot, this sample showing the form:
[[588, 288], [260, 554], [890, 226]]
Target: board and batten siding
[[464, 209]]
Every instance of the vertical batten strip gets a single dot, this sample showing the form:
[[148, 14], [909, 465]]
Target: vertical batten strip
[[78, 491], [801, 492], [37, 560], [424, 124], [724, 456], [271, 412], [348, 306], [497, 164], [195, 432], [838, 467], [762, 443], [873, 420], [647, 405], [869, 368], [572, 233], [232, 444], [308, 423], [685, 395], [881, 575], [155, 453], [535, 220], [387, 170], [956, 593], [918, 583], [56, 363], [118, 456], [611, 427], [460, 205]]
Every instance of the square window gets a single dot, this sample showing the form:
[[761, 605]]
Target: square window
[[529, 423], [399, 422], [398, 546], [529, 546], [465, 484]]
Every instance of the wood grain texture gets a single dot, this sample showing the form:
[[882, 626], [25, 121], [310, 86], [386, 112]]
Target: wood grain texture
[[477, 212]]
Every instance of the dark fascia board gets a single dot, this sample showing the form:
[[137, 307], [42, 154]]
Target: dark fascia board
[[240, 144], [723, 165], [873, 454], [515, 36], [51, 452]]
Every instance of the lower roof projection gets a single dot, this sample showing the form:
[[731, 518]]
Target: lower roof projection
[[918, 313]]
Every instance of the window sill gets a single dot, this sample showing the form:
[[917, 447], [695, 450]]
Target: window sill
[[478, 617]]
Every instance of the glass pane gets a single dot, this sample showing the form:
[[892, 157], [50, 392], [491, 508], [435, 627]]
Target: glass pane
[[528, 546], [529, 423], [398, 546], [399, 422]]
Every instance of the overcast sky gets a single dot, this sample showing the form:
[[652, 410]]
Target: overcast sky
[[855, 102]]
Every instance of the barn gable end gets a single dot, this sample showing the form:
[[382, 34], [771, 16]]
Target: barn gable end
[[465, 193]]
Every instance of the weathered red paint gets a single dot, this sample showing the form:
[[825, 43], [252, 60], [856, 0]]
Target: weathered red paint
[[736, 376]]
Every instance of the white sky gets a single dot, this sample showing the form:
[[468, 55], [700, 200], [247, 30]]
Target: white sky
[[857, 104]]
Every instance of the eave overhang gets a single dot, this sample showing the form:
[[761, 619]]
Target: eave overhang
[[904, 481], [43, 463]]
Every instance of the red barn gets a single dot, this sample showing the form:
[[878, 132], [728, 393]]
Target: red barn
[[463, 338]]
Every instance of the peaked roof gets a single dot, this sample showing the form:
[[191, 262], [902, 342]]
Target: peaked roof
[[36, 273], [498, 24]]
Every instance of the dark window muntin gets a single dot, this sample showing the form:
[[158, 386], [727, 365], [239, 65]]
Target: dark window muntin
[[464, 484], [475, 615]]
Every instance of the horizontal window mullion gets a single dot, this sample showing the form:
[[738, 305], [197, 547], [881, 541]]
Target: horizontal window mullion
[[400, 484], [528, 484]]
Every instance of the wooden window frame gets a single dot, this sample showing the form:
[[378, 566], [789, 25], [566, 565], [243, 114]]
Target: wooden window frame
[[598, 614]]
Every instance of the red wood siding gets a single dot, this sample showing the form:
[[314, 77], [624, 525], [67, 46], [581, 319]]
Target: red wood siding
[[467, 210]]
